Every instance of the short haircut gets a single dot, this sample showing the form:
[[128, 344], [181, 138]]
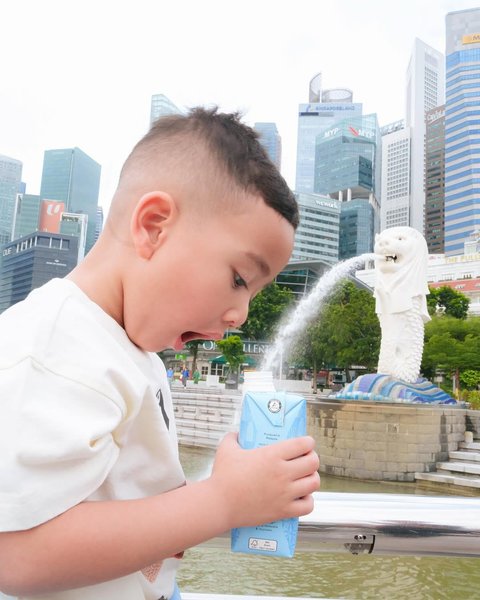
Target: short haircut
[[234, 147]]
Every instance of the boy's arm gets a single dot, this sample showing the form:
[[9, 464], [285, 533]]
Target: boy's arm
[[99, 541]]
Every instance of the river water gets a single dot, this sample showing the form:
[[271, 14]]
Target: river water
[[310, 575]]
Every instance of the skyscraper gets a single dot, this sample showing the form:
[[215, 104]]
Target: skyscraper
[[98, 222], [348, 168], [313, 119], [395, 209], [271, 141], [425, 89], [317, 234], [71, 176], [27, 210], [160, 105], [462, 131], [10, 185], [435, 179]]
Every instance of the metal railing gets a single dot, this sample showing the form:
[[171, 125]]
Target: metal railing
[[395, 524]]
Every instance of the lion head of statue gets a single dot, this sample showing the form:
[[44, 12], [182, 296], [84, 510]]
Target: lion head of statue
[[401, 270]]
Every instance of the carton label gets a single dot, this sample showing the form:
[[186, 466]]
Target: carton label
[[259, 544]]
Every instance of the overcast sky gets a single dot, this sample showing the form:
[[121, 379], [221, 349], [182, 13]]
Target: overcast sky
[[81, 73]]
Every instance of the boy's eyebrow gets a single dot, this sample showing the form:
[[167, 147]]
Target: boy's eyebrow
[[261, 264]]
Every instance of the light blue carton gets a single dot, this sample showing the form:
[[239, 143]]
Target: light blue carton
[[269, 417]]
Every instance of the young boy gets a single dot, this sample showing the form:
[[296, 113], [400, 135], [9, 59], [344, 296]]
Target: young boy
[[93, 501]]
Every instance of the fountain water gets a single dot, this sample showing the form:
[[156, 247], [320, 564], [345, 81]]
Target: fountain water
[[309, 307]]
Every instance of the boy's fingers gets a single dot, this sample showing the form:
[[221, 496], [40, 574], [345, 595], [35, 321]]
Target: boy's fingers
[[230, 440], [294, 447], [304, 465]]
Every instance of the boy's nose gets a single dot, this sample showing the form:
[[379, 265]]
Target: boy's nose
[[234, 317]]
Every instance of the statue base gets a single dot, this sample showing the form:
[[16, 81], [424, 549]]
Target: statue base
[[377, 387]]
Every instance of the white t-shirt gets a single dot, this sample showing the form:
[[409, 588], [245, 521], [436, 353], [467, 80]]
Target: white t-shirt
[[84, 415]]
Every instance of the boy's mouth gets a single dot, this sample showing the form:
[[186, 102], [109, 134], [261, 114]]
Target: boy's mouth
[[189, 336]]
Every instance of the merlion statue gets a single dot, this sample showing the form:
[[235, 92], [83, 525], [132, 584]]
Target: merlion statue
[[400, 300]]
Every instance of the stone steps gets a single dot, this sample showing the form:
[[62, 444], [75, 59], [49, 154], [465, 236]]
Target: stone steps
[[470, 446], [203, 419], [465, 455], [445, 478], [460, 467]]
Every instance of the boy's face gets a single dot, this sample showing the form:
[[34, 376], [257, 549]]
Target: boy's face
[[200, 280]]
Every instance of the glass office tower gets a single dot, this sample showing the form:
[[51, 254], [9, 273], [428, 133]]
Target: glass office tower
[[71, 176], [348, 168], [160, 106], [271, 141], [317, 233], [10, 185], [314, 118], [435, 179], [462, 128]]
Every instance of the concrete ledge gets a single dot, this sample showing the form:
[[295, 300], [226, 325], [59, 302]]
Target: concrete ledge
[[383, 441]]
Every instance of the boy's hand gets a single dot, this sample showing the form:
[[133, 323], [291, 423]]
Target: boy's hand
[[266, 484]]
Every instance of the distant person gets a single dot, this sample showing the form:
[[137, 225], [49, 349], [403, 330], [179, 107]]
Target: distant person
[[93, 504], [185, 376], [196, 376], [170, 376]]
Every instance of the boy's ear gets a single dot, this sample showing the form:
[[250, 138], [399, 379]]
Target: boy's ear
[[149, 222]]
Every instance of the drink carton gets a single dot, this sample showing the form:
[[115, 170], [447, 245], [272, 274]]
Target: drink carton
[[268, 417]]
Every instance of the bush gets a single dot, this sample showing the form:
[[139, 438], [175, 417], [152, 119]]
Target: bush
[[473, 398]]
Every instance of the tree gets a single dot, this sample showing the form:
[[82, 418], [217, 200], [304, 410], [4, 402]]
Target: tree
[[266, 310], [470, 378], [192, 347], [454, 303], [346, 332], [232, 350], [451, 345]]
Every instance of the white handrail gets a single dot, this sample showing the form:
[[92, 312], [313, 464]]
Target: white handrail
[[394, 524]]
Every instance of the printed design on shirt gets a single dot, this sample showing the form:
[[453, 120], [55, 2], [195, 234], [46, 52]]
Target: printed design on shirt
[[162, 407], [151, 573]]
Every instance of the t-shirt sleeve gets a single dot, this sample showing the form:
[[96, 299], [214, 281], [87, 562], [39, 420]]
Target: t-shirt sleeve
[[56, 444]]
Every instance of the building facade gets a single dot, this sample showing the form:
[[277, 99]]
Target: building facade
[[160, 106], [348, 168], [357, 231], [462, 128], [31, 261], [313, 119], [271, 141], [317, 234], [435, 179], [425, 89], [98, 222], [26, 213], [71, 176], [395, 207], [10, 185]]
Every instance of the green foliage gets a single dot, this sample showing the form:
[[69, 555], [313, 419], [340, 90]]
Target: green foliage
[[470, 378], [473, 397], [451, 345], [454, 303], [265, 311], [232, 348], [346, 333]]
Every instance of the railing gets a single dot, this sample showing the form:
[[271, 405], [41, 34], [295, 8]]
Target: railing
[[395, 524]]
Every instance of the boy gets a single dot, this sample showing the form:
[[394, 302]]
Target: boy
[[93, 504]]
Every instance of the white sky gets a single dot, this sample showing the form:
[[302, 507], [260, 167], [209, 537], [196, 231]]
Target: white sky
[[82, 72]]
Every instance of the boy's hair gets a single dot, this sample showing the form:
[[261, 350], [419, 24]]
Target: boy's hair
[[234, 147]]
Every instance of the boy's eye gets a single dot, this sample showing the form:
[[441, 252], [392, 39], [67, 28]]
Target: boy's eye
[[238, 281]]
